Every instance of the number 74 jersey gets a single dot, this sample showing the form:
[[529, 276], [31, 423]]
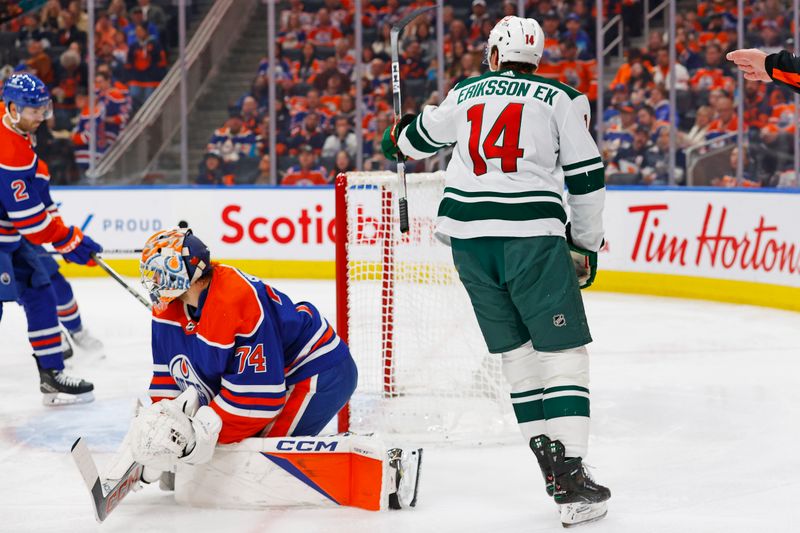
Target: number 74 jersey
[[519, 138]]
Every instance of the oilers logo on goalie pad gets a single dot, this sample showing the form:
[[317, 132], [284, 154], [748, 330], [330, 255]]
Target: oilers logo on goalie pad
[[186, 376]]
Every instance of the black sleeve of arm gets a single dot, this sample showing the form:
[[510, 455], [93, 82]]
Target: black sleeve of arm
[[784, 68]]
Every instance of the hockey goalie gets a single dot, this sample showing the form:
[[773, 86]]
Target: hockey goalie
[[244, 380]]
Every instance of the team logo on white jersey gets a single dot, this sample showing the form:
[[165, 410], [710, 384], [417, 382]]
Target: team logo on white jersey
[[186, 376]]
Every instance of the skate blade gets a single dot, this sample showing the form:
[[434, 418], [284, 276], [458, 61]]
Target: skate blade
[[578, 514], [58, 399]]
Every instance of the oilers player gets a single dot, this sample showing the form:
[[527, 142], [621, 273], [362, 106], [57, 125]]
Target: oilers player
[[250, 362], [26, 223], [69, 314], [518, 138]]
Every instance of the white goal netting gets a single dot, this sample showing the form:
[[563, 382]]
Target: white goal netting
[[424, 371]]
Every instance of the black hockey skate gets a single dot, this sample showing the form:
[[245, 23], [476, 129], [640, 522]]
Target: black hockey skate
[[579, 498], [540, 445], [60, 389]]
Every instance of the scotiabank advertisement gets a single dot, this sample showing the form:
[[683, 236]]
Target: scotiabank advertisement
[[730, 235], [247, 223]]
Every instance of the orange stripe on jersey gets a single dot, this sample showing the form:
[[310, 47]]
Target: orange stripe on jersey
[[787, 77], [162, 380], [48, 340], [248, 400], [293, 404], [325, 338], [303, 309], [69, 311], [236, 428]]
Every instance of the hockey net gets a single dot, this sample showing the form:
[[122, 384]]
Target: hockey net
[[424, 371]]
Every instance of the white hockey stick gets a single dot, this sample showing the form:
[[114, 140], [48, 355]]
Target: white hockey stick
[[111, 272], [104, 497]]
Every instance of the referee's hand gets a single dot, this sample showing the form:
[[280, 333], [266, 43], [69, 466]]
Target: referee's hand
[[751, 62]]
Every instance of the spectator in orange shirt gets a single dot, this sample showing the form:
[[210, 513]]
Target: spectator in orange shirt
[[552, 47], [104, 31], [712, 75], [725, 120], [634, 56], [573, 72], [146, 66], [307, 68], [756, 110], [307, 172], [39, 62], [324, 32], [412, 66], [477, 18]]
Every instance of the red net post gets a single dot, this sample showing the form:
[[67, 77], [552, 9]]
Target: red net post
[[342, 318], [387, 290]]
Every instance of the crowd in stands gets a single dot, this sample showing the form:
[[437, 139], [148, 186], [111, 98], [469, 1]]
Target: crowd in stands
[[51, 42], [316, 83], [637, 115]]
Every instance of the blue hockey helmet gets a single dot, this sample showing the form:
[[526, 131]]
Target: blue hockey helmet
[[26, 90]]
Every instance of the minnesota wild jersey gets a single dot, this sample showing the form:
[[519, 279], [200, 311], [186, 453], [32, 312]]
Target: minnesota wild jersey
[[518, 138]]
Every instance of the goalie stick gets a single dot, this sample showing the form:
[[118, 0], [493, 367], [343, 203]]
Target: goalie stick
[[104, 497], [110, 271], [394, 35]]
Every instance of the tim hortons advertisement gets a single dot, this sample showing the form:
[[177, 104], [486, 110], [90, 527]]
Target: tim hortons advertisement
[[744, 236]]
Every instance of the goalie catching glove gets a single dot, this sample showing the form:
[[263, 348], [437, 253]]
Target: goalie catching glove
[[390, 136], [174, 430], [585, 262]]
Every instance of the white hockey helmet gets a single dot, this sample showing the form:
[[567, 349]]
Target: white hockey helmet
[[517, 39]]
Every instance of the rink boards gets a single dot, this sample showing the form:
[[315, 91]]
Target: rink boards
[[738, 246]]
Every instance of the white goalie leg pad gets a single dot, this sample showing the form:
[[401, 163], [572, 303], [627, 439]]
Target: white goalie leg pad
[[568, 368], [289, 472], [522, 370]]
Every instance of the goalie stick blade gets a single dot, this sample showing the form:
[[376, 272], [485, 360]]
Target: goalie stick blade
[[103, 503]]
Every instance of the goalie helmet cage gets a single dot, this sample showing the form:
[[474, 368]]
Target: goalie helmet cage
[[424, 371]]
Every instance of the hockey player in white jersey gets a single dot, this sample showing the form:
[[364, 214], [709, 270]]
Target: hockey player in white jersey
[[518, 138]]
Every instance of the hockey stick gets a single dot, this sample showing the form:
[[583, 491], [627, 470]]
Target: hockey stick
[[104, 498], [110, 271], [112, 251], [394, 35]]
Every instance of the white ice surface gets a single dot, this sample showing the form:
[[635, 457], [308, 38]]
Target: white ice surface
[[696, 419]]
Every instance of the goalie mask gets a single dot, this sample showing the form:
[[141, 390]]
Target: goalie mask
[[517, 40], [171, 261]]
